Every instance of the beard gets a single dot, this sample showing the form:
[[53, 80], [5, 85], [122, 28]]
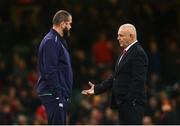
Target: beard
[[66, 33]]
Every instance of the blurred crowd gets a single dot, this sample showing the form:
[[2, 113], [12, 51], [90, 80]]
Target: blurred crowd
[[94, 49]]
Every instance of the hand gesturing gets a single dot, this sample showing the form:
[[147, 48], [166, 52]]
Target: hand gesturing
[[89, 91]]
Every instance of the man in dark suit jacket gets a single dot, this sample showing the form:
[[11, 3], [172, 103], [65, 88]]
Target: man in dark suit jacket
[[128, 79]]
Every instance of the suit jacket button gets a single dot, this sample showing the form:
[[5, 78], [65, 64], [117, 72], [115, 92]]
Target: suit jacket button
[[114, 79]]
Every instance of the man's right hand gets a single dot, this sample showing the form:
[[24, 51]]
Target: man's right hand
[[89, 91]]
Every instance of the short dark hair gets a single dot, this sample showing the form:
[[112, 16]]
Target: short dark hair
[[61, 16]]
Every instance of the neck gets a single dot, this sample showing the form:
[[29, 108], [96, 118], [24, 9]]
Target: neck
[[59, 30], [130, 43]]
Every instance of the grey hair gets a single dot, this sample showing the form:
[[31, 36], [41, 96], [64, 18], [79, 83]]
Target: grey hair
[[61, 16]]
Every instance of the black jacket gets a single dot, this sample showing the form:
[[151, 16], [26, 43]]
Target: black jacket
[[128, 79]]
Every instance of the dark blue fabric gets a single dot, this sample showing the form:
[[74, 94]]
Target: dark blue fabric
[[54, 65], [56, 114]]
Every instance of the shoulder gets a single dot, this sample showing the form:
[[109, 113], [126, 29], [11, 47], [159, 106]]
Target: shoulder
[[139, 52], [49, 39], [138, 49], [49, 44]]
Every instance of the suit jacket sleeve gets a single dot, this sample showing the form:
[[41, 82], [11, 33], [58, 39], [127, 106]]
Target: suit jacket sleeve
[[104, 86]]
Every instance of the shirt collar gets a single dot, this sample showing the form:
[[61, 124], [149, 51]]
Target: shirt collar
[[126, 49]]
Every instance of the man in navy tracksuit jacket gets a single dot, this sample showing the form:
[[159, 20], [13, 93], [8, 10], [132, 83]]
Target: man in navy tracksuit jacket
[[55, 73]]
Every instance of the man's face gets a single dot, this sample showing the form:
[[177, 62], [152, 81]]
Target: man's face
[[68, 23], [67, 27], [123, 37]]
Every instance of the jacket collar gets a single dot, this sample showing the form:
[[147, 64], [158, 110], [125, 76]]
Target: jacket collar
[[63, 41]]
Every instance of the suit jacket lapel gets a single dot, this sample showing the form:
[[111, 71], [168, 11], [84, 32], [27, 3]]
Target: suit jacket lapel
[[125, 58], [117, 62]]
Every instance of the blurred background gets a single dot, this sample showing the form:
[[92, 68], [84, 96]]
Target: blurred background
[[94, 49]]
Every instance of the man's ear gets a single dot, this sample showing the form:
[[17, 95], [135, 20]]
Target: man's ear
[[131, 36], [62, 24]]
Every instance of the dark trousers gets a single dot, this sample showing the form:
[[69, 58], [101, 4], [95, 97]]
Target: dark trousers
[[130, 113], [56, 110]]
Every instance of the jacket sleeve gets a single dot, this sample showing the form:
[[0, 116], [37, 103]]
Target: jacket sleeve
[[104, 86], [50, 60]]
